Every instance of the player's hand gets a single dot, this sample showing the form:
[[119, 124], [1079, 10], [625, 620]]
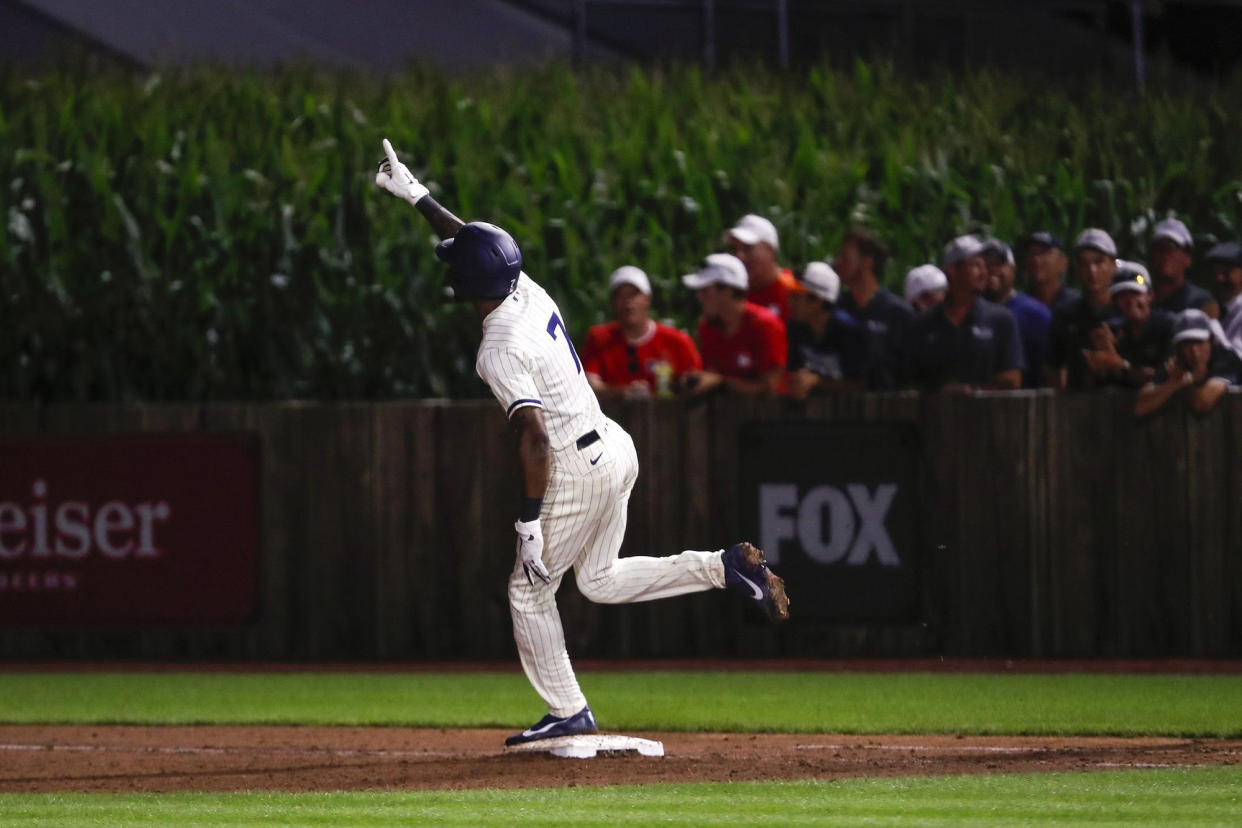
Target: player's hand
[[395, 177], [530, 551]]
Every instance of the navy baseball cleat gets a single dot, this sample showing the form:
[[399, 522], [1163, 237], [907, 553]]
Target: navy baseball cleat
[[549, 727], [747, 572]]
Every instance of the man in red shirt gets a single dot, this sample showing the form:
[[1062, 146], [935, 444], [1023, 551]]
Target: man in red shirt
[[755, 243], [743, 345], [635, 356]]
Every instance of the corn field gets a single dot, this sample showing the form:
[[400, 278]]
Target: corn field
[[208, 235]]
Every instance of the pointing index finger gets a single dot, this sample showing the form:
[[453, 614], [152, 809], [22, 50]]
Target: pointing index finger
[[391, 153]]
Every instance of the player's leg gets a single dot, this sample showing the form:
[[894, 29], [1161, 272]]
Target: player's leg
[[607, 579], [567, 524]]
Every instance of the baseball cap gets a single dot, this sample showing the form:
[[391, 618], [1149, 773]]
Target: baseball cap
[[996, 247], [924, 278], [1130, 276], [1230, 252], [629, 275], [1093, 238], [962, 248], [1192, 325], [1174, 231], [751, 229], [1046, 239], [821, 281], [718, 268]]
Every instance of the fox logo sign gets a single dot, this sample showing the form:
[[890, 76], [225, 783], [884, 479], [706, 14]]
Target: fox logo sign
[[833, 526]]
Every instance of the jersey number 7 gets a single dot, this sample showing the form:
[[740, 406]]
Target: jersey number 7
[[554, 323]]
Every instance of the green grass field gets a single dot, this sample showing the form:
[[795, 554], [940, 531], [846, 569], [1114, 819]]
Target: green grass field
[[1201, 796], [1084, 704]]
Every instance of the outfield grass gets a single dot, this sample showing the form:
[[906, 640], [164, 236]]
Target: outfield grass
[[1195, 796], [1085, 704]]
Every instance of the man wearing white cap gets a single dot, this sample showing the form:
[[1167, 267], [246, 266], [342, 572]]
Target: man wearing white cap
[[755, 242], [1169, 255], [634, 355], [1201, 367], [826, 345], [926, 286], [885, 318], [742, 344], [965, 343], [1130, 350], [1095, 262]]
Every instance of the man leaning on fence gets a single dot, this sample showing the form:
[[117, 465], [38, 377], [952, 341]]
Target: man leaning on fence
[[966, 343], [1131, 350], [826, 345], [633, 355], [1201, 369]]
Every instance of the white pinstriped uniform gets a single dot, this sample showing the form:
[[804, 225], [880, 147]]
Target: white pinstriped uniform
[[526, 358]]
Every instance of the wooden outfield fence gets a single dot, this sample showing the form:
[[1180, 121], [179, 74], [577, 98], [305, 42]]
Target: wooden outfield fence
[[1050, 525]]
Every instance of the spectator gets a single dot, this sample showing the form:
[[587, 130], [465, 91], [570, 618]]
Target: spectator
[[633, 355], [1130, 351], [1225, 260], [826, 345], [1095, 260], [743, 345], [756, 244], [1201, 368], [884, 317], [926, 286], [1045, 262], [1169, 256], [966, 343], [1032, 315]]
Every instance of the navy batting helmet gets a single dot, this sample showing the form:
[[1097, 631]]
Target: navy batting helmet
[[484, 261]]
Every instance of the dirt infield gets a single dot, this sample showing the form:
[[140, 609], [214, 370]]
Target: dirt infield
[[134, 759]]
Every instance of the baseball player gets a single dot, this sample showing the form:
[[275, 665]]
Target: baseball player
[[578, 466]]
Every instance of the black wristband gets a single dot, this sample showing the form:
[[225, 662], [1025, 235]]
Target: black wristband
[[530, 509]]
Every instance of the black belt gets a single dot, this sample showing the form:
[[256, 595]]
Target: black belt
[[585, 440]]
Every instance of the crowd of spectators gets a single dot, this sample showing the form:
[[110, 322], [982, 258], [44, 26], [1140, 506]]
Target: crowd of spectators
[[978, 321]]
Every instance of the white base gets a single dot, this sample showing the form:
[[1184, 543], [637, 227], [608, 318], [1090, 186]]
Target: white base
[[588, 747]]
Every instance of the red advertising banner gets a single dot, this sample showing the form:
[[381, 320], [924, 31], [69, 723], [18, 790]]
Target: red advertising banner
[[129, 530]]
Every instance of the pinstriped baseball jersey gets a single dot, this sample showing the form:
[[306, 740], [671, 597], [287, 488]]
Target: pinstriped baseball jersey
[[527, 359]]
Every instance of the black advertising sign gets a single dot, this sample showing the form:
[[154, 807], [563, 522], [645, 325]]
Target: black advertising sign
[[130, 530], [835, 508]]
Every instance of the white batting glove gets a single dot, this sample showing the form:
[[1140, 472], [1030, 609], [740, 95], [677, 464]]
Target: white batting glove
[[395, 177], [530, 550]]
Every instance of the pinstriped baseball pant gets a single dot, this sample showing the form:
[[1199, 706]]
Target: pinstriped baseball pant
[[583, 521]]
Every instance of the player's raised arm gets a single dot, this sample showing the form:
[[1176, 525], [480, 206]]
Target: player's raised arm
[[396, 178]]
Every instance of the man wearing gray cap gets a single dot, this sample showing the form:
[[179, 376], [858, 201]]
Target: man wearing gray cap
[[1033, 316], [742, 344], [1201, 368], [633, 355], [826, 345], [965, 343], [1169, 257], [1225, 260], [1095, 261]]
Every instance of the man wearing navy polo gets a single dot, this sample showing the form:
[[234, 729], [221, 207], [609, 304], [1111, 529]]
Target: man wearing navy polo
[[966, 343]]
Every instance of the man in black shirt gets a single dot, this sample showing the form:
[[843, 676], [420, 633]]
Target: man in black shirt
[[884, 317], [1095, 260], [1201, 368], [966, 343], [1169, 256], [1130, 350], [826, 346], [1044, 263]]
